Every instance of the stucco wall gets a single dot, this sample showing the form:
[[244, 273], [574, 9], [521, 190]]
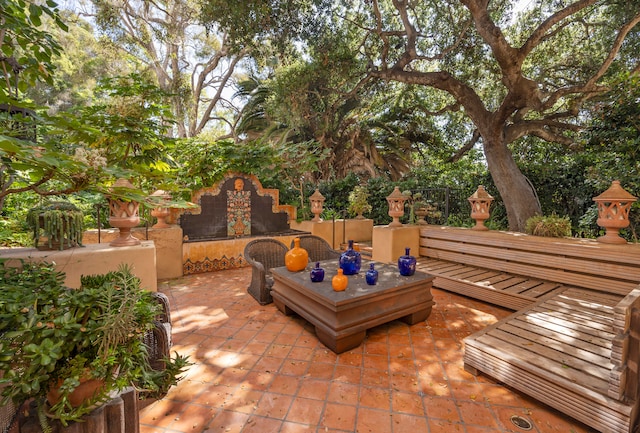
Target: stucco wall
[[93, 259]]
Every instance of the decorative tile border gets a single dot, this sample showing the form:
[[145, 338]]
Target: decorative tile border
[[212, 265]]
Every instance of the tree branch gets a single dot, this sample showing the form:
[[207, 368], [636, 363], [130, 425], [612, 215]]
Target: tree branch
[[466, 148]]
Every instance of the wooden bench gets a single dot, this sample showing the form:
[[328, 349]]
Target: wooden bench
[[514, 270], [574, 344]]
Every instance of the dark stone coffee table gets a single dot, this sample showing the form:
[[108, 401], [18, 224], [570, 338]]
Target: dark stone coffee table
[[341, 319]]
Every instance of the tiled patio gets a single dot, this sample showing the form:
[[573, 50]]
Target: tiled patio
[[256, 370]]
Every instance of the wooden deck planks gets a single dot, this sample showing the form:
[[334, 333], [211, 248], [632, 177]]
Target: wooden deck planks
[[562, 343], [572, 344], [524, 286], [556, 363], [543, 289], [567, 261], [592, 408], [510, 291]]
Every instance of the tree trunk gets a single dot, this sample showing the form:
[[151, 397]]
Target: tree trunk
[[518, 195]]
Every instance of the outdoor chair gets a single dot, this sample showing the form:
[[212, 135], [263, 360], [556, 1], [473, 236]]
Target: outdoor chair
[[318, 248], [158, 339], [263, 255], [8, 417]]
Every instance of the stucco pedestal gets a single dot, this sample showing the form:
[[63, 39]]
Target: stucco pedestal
[[389, 243], [339, 231], [168, 243]]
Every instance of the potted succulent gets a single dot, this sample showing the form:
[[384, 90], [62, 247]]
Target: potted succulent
[[359, 201], [414, 202], [56, 225], [55, 340]]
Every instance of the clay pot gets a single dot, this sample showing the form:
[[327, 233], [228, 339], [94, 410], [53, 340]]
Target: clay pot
[[87, 389]]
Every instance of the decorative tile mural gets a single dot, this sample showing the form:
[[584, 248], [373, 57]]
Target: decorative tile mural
[[236, 206], [238, 210], [230, 214]]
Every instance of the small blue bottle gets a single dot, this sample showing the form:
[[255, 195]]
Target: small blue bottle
[[317, 274], [371, 275]]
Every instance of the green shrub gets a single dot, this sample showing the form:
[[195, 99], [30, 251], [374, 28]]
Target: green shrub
[[550, 226]]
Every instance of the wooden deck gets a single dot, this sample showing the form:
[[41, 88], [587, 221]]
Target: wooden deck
[[574, 342], [560, 351], [497, 287], [513, 269]]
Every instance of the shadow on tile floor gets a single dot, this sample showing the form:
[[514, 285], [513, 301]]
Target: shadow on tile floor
[[256, 370]]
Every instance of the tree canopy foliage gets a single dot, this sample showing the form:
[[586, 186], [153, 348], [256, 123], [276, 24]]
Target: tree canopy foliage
[[65, 152], [512, 75], [497, 74], [192, 65]]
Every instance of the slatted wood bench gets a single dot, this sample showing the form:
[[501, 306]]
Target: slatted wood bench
[[574, 344], [514, 270]]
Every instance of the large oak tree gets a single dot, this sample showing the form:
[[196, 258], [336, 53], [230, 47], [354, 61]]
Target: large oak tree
[[511, 75], [191, 62]]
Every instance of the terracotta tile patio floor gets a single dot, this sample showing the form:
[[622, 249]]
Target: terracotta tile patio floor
[[256, 370]]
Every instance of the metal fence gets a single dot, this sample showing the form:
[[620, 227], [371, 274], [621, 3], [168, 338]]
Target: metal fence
[[447, 202]]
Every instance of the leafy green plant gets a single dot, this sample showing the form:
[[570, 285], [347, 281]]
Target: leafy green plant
[[60, 222], [53, 338], [549, 226], [359, 201]]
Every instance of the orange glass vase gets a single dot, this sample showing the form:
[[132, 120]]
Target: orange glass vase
[[339, 281], [297, 258]]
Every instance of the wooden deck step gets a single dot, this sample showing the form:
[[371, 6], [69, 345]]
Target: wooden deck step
[[502, 288], [558, 350]]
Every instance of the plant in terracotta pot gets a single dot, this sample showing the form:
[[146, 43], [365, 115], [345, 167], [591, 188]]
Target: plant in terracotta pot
[[414, 202], [56, 225], [54, 339]]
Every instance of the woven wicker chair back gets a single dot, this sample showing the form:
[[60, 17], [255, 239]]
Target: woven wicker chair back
[[318, 248]]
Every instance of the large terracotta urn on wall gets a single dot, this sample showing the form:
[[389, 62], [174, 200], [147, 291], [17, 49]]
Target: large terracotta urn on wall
[[613, 212], [123, 215]]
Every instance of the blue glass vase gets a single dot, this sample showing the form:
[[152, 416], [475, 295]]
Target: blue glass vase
[[350, 260], [317, 274], [371, 275], [407, 264]]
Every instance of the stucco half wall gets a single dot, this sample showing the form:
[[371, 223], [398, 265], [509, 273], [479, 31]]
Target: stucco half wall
[[93, 259]]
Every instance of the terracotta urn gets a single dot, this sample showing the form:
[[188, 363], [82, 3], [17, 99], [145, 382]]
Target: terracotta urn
[[613, 212], [317, 202], [161, 213], [87, 389], [480, 203], [396, 206], [123, 215], [421, 213]]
